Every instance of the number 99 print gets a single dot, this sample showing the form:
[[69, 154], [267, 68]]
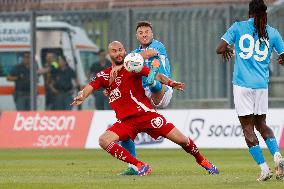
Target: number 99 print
[[251, 48]]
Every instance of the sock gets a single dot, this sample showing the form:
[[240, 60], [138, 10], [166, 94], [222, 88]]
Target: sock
[[193, 150], [156, 87], [129, 146], [277, 157], [272, 145], [264, 167], [257, 155], [122, 154], [132, 166]]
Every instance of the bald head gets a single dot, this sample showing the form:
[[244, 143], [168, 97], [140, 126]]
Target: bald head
[[116, 52], [114, 44]]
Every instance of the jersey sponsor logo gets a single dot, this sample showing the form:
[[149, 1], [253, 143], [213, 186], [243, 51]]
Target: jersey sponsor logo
[[256, 49], [104, 75], [114, 95], [157, 122]]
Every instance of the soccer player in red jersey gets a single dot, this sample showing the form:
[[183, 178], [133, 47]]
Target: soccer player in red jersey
[[135, 112]]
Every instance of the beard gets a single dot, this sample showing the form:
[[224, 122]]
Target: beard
[[118, 60], [118, 63]]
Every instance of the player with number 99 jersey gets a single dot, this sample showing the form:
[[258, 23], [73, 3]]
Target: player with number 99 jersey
[[251, 68]]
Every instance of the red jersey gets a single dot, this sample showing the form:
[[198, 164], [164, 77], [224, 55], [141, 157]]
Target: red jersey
[[126, 93]]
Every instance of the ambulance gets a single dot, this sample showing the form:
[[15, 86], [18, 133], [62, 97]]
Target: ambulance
[[60, 38]]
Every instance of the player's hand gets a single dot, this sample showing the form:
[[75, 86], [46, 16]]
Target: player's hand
[[177, 85], [227, 54], [79, 99], [106, 93]]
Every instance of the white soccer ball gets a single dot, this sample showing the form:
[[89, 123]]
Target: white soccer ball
[[133, 62]]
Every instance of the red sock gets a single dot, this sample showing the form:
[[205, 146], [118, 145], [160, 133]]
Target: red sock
[[193, 150], [122, 154]]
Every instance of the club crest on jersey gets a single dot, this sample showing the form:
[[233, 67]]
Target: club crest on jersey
[[117, 81], [157, 122]]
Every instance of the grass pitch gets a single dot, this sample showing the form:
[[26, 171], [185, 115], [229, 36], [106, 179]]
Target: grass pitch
[[94, 169]]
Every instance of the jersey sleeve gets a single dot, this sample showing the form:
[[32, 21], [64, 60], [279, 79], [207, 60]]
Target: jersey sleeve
[[145, 71], [136, 50], [97, 82], [159, 47], [278, 43], [230, 35]]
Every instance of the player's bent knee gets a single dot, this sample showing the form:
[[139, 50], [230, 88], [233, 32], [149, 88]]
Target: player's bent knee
[[251, 140], [259, 128], [107, 138], [103, 141], [177, 137]]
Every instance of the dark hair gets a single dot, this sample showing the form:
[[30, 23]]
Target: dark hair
[[257, 9], [143, 23]]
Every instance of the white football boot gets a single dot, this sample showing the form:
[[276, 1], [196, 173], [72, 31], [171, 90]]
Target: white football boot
[[279, 167], [265, 175]]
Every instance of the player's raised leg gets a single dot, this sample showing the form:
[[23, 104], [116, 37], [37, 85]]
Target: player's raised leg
[[189, 146], [156, 87]]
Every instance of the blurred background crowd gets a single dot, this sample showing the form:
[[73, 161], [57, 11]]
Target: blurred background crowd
[[190, 30]]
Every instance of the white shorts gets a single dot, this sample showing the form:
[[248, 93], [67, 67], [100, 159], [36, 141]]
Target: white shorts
[[165, 100], [250, 101]]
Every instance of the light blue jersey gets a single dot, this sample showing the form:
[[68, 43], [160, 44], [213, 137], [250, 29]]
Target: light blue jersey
[[251, 68], [162, 57]]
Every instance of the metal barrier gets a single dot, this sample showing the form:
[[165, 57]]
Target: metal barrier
[[190, 36]]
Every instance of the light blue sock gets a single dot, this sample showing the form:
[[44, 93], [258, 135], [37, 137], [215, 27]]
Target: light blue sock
[[156, 87], [272, 145], [129, 146], [257, 155]]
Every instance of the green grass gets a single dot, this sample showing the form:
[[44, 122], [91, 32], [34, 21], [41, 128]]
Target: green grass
[[172, 169]]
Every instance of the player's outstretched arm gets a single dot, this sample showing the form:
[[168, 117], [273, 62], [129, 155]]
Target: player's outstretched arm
[[281, 59], [224, 49], [82, 95], [174, 84], [148, 53]]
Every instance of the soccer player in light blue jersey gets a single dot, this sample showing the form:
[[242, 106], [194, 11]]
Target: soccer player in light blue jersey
[[254, 41], [156, 58]]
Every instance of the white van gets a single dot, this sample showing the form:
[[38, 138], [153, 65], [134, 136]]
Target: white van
[[57, 37]]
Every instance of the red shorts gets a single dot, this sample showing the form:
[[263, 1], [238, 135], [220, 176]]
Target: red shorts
[[151, 123]]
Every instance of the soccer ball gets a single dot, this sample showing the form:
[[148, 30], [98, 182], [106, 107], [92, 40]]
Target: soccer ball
[[133, 62]]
